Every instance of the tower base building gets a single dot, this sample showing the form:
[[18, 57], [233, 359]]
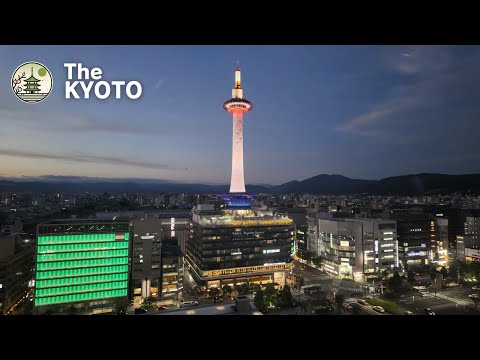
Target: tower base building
[[232, 247]]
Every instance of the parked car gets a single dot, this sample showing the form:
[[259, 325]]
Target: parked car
[[408, 313], [161, 308], [476, 287], [378, 309], [362, 302], [140, 311], [188, 303], [473, 296], [217, 300], [429, 311]]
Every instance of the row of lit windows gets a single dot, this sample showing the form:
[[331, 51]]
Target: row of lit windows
[[81, 272], [246, 269], [81, 255], [81, 263], [80, 297], [80, 288], [83, 247], [58, 239], [81, 280]]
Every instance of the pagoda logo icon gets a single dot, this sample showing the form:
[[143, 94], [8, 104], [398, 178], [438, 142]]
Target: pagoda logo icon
[[32, 82]]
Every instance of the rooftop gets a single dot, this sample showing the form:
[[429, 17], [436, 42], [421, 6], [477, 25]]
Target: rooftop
[[240, 218]]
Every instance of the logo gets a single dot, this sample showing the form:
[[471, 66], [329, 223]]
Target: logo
[[32, 82]]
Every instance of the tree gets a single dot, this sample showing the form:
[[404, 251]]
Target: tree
[[271, 295], [214, 292], [243, 289], [395, 282], [339, 300], [121, 305], [317, 260], [444, 272], [227, 290], [300, 281], [433, 275], [72, 310], [150, 302], [411, 277], [287, 298], [476, 300], [254, 287], [385, 273], [454, 269], [259, 300]]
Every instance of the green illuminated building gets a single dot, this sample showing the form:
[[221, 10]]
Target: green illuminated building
[[82, 262]]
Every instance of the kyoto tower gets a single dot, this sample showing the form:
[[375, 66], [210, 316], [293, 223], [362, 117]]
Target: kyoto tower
[[237, 106]]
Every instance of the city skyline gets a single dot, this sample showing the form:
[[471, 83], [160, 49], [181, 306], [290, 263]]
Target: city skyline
[[359, 111]]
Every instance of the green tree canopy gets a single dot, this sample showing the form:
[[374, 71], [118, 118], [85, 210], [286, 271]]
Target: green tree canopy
[[214, 292]]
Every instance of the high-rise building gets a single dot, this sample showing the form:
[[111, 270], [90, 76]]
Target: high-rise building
[[146, 257], [468, 245], [16, 273], [237, 244], [472, 230], [416, 239], [441, 237], [172, 271], [172, 222], [357, 248], [83, 263]]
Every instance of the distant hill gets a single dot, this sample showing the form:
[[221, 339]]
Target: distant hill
[[321, 184], [407, 184]]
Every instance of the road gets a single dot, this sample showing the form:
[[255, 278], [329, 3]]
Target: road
[[448, 301]]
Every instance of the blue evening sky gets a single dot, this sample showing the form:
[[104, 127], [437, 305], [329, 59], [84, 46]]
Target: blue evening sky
[[359, 111]]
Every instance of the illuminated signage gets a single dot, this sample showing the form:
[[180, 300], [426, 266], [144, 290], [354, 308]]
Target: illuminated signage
[[270, 251]]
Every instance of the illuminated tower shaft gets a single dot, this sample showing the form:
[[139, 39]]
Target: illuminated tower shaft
[[237, 181], [237, 105]]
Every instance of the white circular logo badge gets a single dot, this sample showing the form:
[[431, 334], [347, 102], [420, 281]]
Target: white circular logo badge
[[32, 82]]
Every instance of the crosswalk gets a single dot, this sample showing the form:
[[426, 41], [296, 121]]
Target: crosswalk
[[452, 299], [336, 286]]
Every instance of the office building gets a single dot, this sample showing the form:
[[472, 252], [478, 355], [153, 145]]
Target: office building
[[441, 237], [357, 248], [172, 272], [83, 263], [236, 246], [417, 243], [146, 257], [173, 222], [17, 266]]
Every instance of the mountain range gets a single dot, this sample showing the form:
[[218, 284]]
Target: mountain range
[[415, 184]]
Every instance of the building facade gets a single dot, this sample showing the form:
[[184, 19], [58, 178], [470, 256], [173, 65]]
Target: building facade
[[172, 271], [357, 248], [417, 240], [17, 267], [83, 263], [146, 257], [237, 246]]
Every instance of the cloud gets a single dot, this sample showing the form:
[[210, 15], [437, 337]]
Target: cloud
[[379, 113], [437, 80], [72, 123], [88, 159], [159, 84]]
